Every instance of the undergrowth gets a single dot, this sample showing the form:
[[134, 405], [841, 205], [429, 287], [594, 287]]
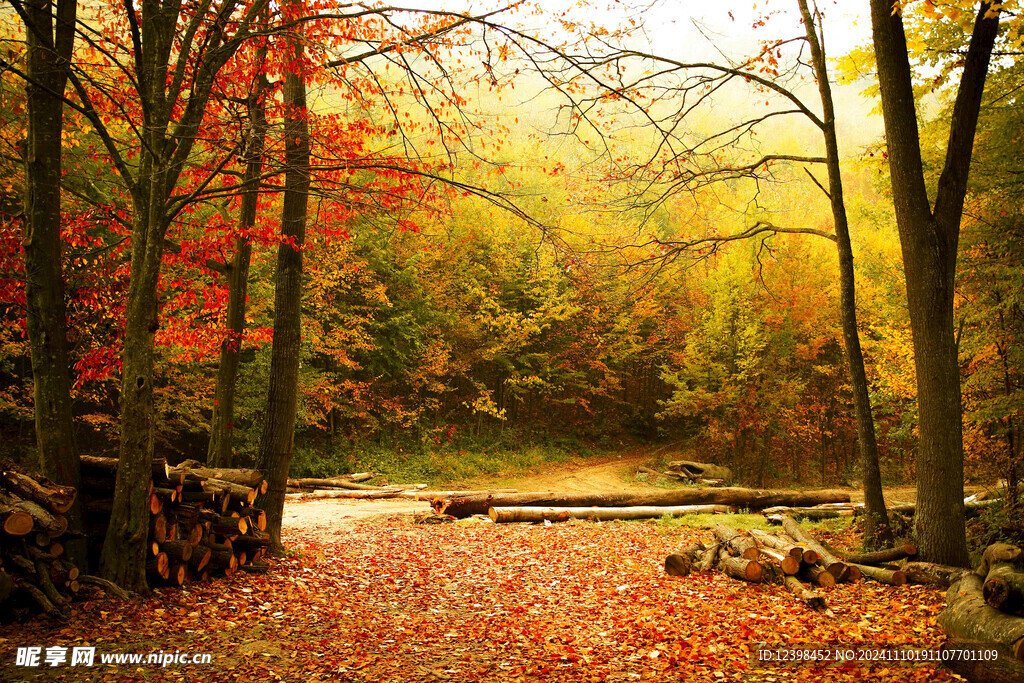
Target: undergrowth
[[435, 464]]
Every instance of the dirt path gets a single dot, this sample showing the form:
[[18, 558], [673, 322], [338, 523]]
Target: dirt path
[[612, 473]]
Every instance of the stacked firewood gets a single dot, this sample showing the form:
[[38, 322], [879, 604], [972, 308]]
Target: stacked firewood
[[35, 574], [202, 520], [791, 557]]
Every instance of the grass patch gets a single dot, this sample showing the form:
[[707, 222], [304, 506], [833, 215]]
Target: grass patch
[[745, 521], [442, 466]]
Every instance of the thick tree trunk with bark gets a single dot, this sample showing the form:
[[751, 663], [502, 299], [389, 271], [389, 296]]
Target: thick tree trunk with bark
[[277, 440], [931, 574], [968, 617], [876, 530], [753, 499], [221, 451], [49, 38], [929, 240]]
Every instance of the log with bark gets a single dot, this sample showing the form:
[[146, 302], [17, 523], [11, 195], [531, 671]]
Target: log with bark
[[699, 470], [786, 545], [737, 541], [504, 515], [682, 562], [753, 499], [837, 568], [891, 577], [931, 574], [806, 595], [739, 568], [974, 662], [1004, 588], [883, 556], [968, 617]]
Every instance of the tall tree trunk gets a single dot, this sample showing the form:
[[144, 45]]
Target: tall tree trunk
[[277, 440], [49, 34], [221, 451], [876, 530], [123, 559], [929, 243]]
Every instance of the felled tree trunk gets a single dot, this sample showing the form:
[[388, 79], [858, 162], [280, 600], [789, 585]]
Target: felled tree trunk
[[968, 617], [503, 515], [806, 595], [1004, 588], [681, 563], [884, 556], [891, 577], [752, 499], [740, 543], [931, 574], [832, 563], [972, 661]]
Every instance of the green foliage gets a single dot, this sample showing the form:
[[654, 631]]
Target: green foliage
[[447, 465]]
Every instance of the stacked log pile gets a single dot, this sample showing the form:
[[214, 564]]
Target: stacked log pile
[[985, 609], [202, 520], [34, 572], [790, 557]]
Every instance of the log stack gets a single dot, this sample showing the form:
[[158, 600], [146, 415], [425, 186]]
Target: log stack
[[202, 520], [35, 575], [790, 557]]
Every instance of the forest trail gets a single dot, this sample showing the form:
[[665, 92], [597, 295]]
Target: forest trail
[[581, 475]]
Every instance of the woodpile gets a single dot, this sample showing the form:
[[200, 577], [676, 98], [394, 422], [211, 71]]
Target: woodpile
[[34, 573], [790, 557], [202, 520], [986, 607]]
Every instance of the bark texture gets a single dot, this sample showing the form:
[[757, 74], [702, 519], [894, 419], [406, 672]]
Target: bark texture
[[928, 239], [277, 440], [876, 529], [49, 39]]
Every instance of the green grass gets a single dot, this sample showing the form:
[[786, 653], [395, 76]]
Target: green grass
[[745, 521], [438, 467]]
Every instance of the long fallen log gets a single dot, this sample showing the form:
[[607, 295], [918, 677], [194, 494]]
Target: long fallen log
[[504, 515], [883, 556], [335, 493], [932, 574], [752, 499], [891, 577], [812, 513], [333, 483], [968, 617]]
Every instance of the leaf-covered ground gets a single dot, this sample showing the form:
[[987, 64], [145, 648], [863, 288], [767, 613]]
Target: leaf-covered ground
[[395, 601]]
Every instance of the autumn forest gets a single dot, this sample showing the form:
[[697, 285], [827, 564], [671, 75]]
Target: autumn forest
[[317, 238]]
